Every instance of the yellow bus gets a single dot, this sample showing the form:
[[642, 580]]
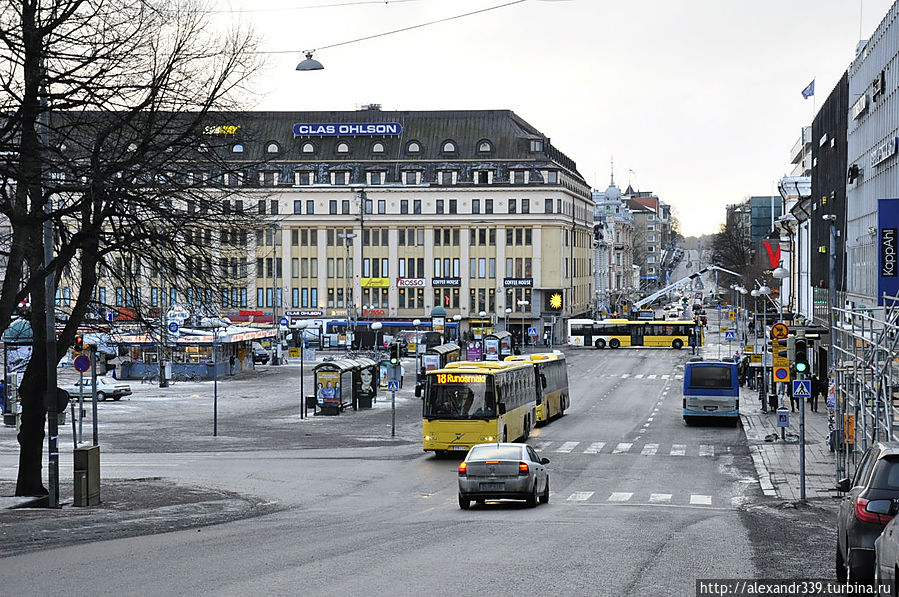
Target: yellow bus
[[552, 383], [618, 333], [476, 402]]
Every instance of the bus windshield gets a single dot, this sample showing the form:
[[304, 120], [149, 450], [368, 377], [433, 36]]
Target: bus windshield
[[711, 377], [447, 399]]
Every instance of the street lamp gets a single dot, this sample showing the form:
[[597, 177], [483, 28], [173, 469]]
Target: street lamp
[[764, 291], [348, 241], [523, 304], [457, 318], [781, 273], [506, 321], [299, 326], [418, 351], [376, 327]]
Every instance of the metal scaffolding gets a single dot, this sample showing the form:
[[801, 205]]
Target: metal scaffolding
[[866, 375]]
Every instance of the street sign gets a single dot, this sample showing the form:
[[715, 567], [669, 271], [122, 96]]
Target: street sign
[[781, 373], [82, 363], [174, 328], [729, 335], [283, 321], [178, 313], [110, 315], [802, 388], [779, 331], [532, 331], [393, 386], [848, 428], [755, 358], [783, 417], [749, 349], [731, 315]]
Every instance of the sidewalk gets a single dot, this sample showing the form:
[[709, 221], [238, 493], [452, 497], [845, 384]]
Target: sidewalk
[[777, 461]]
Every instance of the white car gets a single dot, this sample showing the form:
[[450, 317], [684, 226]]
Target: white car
[[107, 387]]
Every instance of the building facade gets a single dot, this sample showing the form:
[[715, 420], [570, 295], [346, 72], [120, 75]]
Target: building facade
[[374, 215], [614, 255]]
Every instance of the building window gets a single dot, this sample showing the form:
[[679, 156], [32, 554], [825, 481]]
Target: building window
[[272, 147], [377, 147], [343, 147], [518, 176], [488, 206], [375, 177], [484, 146], [513, 206], [345, 207], [548, 206], [410, 177], [310, 207], [404, 206], [536, 145], [382, 207], [449, 147], [308, 148], [525, 206], [453, 206], [413, 147], [332, 207], [475, 206], [261, 207], [552, 177], [481, 177], [340, 178], [416, 206], [237, 148], [273, 207]]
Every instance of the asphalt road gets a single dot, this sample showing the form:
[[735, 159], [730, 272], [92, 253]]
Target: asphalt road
[[640, 503]]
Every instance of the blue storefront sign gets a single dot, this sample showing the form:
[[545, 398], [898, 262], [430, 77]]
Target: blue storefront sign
[[887, 266], [333, 129]]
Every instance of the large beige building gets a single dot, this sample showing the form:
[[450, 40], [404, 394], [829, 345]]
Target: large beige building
[[387, 215]]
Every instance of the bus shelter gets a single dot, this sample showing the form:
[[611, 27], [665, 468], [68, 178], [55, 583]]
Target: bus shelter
[[436, 358], [497, 346], [365, 382]]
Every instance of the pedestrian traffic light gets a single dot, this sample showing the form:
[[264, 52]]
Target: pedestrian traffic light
[[78, 344], [800, 358]]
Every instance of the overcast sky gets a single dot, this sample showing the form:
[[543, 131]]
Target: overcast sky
[[698, 101]]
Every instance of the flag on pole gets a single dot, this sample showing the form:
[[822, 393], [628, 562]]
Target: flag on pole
[[809, 91]]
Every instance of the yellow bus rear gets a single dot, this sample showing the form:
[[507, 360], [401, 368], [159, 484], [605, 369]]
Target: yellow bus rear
[[551, 380]]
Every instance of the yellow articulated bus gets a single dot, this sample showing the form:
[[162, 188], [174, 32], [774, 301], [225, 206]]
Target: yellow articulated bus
[[474, 402], [551, 379], [625, 333]]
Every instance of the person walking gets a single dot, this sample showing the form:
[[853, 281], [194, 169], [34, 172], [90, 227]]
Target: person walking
[[794, 401], [816, 389]]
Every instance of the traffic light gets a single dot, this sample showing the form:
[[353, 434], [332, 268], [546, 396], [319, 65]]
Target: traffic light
[[395, 353], [78, 344], [800, 358]]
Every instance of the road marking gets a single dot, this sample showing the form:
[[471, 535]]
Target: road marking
[[651, 376], [638, 376], [678, 450], [650, 449], [580, 496], [625, 375], [646, 424], [620, 496], [622, 448], [659, 498], [700, 500], [594, 448], [666, 376], [567, 447], [650, 419], [706, 450], [543, 446]]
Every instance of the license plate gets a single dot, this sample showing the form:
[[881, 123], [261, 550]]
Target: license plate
[[460, 447], [492, 486], [710, 408]]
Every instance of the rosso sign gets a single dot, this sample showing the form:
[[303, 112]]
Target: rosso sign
[[410, 282]]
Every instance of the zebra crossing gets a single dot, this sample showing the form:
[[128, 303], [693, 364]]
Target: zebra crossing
[[618, 448], [665, 376], [630, 497]]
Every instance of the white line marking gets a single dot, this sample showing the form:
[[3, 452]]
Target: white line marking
[[622, 448], [678, 450], [638, 376], [652, 376], [706, 450], [580, 496], [594, 448], [650, 419], [666, 376], [620, 496], [650, 449], [567, 447], [625, 375], [700, 500], [659, 498], [543, 446]]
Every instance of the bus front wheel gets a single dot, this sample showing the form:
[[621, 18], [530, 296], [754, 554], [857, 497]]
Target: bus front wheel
[[600, 343], [677, 344], [614, 343]]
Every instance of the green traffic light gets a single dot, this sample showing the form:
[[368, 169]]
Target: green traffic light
[[801, 367]]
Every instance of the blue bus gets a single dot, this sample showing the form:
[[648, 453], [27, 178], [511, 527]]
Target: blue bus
[[711, 390]]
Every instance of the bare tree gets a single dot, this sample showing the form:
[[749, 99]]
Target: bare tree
[[115, 126], [732, 246]]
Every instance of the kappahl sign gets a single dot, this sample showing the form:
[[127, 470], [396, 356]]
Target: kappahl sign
[[888, 268], [334, 129]]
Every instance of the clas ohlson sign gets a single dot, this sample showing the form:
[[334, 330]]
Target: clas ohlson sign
[[333, 129]]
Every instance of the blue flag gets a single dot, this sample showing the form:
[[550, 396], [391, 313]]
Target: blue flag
[[809, 91]]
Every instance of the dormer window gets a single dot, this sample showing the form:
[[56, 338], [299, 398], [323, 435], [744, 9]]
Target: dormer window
[[413, 147], [377, 147], [449, 147], [485, 146], [343, 147], [536, 145], [308, 148], [237, 148], [272, 147]]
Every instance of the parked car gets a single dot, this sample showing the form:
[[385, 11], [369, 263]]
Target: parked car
[[871, 502], [107, 387], [260, 354], [503, 471], [886, 549]]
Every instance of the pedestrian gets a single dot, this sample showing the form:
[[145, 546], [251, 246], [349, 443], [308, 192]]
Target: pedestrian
[[816, 389], [2, 396], [231, 363], [545, 338]]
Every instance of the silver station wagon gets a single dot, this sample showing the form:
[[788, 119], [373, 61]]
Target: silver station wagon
[[503, 471]]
